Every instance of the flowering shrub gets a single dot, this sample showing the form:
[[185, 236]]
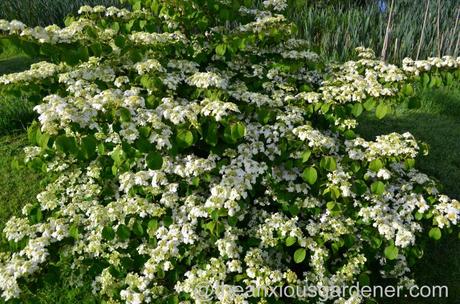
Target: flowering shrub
[[197, 142]]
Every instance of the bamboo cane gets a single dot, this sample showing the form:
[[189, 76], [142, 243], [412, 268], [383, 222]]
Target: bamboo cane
[[438, 28], [387, 32], [451, 44], [422, 35]]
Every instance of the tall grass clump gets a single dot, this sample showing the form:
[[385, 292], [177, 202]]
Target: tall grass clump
[[336, 29], [44, 12]]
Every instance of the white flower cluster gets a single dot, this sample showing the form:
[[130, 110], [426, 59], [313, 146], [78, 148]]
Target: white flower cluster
[[315, 138], [38, 71], [144, 38], [277, 5], [218, 109], [53, 34], [112, 11], [207, 79], [416, 67], [391, 145]]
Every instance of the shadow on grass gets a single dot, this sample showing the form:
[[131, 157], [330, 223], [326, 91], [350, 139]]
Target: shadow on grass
[[15, 112], [440, 132], [15, 64], [436, 123]]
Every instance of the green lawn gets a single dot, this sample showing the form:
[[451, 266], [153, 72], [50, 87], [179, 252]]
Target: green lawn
[[15, 112], [19, 187], [15, 64], [436, 123]]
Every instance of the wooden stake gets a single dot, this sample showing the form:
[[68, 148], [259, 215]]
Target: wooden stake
[[422, 35], [451, 45], [438, 28], [388, 31]]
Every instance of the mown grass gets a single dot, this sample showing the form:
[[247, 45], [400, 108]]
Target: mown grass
[[15, 112], [437, 123], [18, 188]]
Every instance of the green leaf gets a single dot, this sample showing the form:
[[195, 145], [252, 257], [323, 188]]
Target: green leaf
[[310, 175], [264, 115], [234, 131], [364, 279], [115, 26], [449, 79], [138, 229], [238, 130], [118, 155], [325, 108], [211, 132], [328, 163], [376, 242], [66, 144], [88, 146], [152, 226], [221, 49], [43, 140], [184, 138], [37, 164], [426, 79], [391, 252], [120, 41], [36, 215], [123, 232], [435, 233], [155, 7], [306, 156], [357, 110], [378, 187], [408, 90], [409, 163], [108, 233], [125, 115], [15, 164], [73, 231], [376, 165], [381, 111], [196, 181], [33, 132], [144, 145], [291, 240], [173, 299], [154, 160], [360, 187], [330, 205], [299, 255], [370, 104]]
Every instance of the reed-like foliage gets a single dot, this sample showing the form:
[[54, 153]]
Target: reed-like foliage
[[44, 12], [335, 30]]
